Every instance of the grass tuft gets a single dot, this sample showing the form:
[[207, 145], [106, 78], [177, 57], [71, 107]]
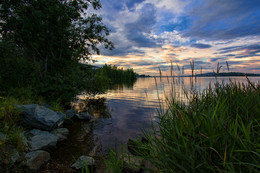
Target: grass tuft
[[217, 131]]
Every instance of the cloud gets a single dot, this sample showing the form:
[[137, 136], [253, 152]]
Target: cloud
[[217, 59], [137, 31], [250, 49], [152, 33], [201, 46], [132, 3], [242, 51], [224, 19]]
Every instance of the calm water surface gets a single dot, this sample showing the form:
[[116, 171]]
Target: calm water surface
[[122, 113]]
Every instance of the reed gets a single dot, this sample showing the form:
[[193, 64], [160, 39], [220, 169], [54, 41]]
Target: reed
[[217, 131]]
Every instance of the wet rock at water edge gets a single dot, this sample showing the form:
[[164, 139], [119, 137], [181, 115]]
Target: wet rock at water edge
[[40, 117], [83, 161], [70, 113], [41, 139], [61, 133], [85, 116], [35, 159], [132, 163]]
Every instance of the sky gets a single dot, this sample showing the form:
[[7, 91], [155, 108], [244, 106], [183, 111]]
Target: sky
[[150, 34]]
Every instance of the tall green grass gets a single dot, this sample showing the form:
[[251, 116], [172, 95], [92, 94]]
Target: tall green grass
[[9, 123], [217, 131]]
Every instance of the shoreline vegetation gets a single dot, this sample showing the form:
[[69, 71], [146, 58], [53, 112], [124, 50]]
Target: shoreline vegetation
[[218, 130], [41, 63]]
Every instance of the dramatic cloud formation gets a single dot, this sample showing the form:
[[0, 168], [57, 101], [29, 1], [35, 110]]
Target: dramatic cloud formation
[[149, 34]]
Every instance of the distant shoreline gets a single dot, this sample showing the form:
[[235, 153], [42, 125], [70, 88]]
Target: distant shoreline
[[230, 74]]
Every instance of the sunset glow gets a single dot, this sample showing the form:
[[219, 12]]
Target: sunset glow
[[148, 34]]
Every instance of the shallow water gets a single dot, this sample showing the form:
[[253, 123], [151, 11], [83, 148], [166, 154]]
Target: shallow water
[[122, 113]]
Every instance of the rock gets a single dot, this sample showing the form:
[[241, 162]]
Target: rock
[[67, 121], [25, 141], [2, 137], [61, 133], [60, 123], [87, 128], [41, 139], [94, 151], [40, 117], [35, 159], [83, 161], [133, 162], [8, 154], [84, 116], [70, 113], [15, 156]]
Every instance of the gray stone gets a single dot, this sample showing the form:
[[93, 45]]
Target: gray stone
[[61, 133], [35, 159], [83, 161], [15, 156], [70, 113], [41, 139], [94, 151], [60, 123], [2, 136], [9, 153], [40, 117], [67, 122], [85, 116]]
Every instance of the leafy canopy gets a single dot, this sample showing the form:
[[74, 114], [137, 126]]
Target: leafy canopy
[[52, 33], [42, 42]]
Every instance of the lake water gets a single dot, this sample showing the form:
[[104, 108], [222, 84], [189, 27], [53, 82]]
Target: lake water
[[122, 113]]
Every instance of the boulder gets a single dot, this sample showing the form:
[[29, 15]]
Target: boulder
[[84, 116], [35, 159], [61, 133], [83, 161], [70, 113], [40, 117], [41, 139]]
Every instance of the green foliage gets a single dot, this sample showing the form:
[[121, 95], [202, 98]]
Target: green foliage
[[106, 77], [9, 123], [8, 113], [42, 43], [15, 70], [86, 169], [115, 74], [218, 131], [115, 163]]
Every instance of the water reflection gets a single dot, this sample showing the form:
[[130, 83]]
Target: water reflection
[[133, 109], [94, 105], [123, 112]]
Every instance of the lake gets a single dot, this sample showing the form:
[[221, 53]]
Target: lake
[[123, 112]]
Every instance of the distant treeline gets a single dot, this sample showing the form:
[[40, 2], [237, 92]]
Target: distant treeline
[[116, 74], [99, 79], [227, 74]]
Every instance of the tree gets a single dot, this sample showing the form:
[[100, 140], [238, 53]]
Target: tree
[[53, 32], [53, 35]]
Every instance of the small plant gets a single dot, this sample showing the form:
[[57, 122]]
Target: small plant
[[115, 163], [9, 115], [56, 106], [85, 168]]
